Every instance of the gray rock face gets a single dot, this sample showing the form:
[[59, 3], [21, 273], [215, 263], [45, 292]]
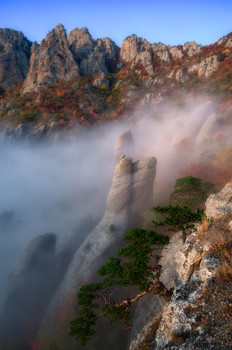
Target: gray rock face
[[220, 203], [161, 50], [124, 145], [208, 66], [81, 43], [132, 46], [137, 50], [191, 48], [176, 52], [50, 61], [131, 190], [14, 57], [92, 56], [195, 318]]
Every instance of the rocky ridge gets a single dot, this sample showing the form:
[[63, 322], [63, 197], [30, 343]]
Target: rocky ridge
[[201, 276], [50, 61], [59, 58]]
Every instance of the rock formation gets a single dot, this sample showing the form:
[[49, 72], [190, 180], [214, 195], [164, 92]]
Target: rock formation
[[137, 50], [191, 48], [197, 316], [130, 193], [92, 56], [208, 66], [50, 61], [14, 57], [124, 145]]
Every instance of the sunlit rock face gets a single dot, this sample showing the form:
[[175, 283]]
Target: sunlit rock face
[[50, 61], [14, 57], [137, 50], [131, 192], [220, 203], [196, 316], [92, 56]]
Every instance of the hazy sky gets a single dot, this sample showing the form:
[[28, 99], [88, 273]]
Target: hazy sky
[[171, 22]]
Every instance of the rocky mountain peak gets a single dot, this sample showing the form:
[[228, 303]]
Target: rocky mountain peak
[[81, 43], [14, 56], [132, 46], [51, 61], [191, 48]]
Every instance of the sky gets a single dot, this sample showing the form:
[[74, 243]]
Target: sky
[[171, 22]]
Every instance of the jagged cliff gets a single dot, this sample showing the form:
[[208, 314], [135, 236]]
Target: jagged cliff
[[14, 57], [77, 81], [50, 61], [200, 270], [59, 58], [130, 193]]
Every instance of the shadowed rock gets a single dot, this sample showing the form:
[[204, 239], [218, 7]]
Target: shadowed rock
[[14, 57], [28, 293]]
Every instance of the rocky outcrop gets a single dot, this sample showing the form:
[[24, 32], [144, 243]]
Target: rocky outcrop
[[131, 191], [197, 316], [50, 61], [14, 57], [191, 48], [94, 57], [81, 43], [176, 52], [220, 203], [124, 145], [208, 66], [137, 50], [161, 50]]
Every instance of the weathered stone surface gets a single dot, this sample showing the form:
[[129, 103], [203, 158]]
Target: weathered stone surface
[[14, 57], [175, 52], [132, 46], [208, 66], [124, 145], [50, 61], [131, 191], [81, 43], [161, 50], [144, 58], [101, 81], [194, 68], [94, 57], [197, 315], [191, 48], [220, 203]]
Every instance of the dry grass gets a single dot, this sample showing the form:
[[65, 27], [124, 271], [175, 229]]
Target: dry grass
[[203, 227], [222, 246]]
